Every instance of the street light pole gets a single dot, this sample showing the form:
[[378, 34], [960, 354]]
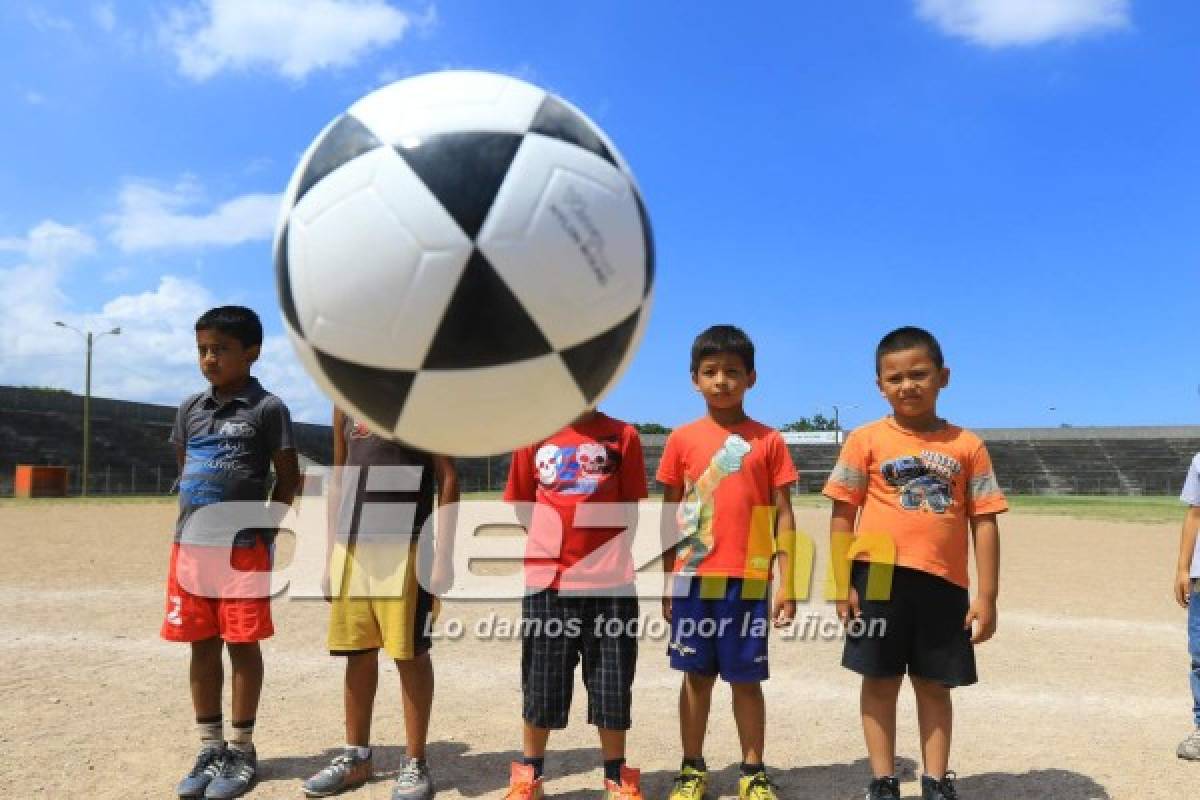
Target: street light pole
[[837, 425], [89, 338]]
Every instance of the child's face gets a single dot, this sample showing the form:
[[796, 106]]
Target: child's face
[[224, 361], [723, 380], [910, 382]]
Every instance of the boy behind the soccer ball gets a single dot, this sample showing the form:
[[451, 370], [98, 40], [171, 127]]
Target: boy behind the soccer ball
[[920, 482], [381, 497], [226, 440], [580, 605], [731, 477]]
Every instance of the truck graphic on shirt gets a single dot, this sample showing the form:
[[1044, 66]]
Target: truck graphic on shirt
[[923, 481]]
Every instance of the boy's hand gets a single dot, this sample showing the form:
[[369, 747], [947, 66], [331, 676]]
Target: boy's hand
[[849, 609], [784, 609], [666, 608], [1183, 588], [981, 620]]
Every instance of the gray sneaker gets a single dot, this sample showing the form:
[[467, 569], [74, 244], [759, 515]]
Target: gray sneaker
[[207, 766], [348, 771], [413, 782], [1189, 748], [238, 771]]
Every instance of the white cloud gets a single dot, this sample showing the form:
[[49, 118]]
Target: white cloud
[[105, 16], [1002, 23], [153, 358], [34, 98], [292, 37], [152, 218]]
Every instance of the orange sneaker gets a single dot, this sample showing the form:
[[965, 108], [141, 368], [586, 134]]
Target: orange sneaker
[[630, 787], [522, 785]]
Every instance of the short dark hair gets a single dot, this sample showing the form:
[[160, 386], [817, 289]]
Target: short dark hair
[[723, 339], [907, 338], [237, 321]]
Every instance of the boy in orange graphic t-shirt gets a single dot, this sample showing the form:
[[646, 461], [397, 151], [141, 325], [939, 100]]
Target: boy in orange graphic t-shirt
[[731, 478], [920, 483]]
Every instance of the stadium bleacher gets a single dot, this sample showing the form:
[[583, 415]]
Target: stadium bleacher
[[131, 455]]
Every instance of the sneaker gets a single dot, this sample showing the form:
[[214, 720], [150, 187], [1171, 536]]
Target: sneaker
[[756, 787], [522, 785], [884, 789], [1189, 748], [238, 771], [347, 771], [689, 784], [939, 790], [413, 782], [630, 787], [207, 766]]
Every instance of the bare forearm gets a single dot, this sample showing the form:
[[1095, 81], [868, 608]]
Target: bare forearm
[[987, 557]]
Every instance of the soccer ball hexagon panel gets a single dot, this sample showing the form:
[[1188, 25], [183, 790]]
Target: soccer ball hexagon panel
[[464, 262]]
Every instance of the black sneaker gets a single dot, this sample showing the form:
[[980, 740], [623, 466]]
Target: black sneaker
[[939, 790], [884, 789]]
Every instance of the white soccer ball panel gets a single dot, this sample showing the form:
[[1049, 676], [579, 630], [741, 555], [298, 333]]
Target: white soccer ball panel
[[566, 236], [448, 102], [478, 412], [374, 259]]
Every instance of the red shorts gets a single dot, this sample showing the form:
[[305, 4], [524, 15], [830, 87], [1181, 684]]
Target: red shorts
[[227, 594]]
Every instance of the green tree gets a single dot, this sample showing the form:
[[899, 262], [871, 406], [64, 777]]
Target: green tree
[[818, 422], [651, 427]]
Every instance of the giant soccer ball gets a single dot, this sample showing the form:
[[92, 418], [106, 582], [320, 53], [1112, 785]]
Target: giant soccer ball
[[464, 262]]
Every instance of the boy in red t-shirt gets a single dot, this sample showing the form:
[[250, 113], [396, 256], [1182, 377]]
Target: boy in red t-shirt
[[731, 477], [580, 603]]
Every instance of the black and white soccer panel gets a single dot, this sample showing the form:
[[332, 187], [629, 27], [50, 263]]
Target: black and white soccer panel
[[565, 235], [408, 111], [475, 412], [373, 261]]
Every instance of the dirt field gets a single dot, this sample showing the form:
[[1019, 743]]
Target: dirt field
[[1083, 694]]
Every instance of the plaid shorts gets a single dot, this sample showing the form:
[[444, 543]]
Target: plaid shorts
[[560, 631]]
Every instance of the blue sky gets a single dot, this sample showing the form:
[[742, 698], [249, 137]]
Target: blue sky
[[1017, 175]]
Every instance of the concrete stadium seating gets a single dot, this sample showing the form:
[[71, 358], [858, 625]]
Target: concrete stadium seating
[[130, 452]]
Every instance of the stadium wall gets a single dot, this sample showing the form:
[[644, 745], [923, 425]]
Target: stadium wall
[[131, 454]]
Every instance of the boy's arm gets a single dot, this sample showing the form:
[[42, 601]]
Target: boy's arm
[[784, 610], [287, 476], [446, 476], [841, 532], [982, 614], [180, 457], [1187, 546], [333, 496], [670, 533]]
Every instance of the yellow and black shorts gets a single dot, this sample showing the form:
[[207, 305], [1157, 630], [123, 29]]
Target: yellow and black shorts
[[378, 602]]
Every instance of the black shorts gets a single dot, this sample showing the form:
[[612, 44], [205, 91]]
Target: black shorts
[[923, 632], [560, 631]]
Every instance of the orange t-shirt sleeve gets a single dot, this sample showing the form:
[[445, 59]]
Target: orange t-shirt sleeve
[[633, 467], [848, 481], [522, 485], [983, 490], [783, 469], [670, 468]]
